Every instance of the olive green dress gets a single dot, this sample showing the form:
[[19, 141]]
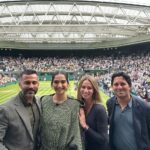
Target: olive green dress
[[60, 125]]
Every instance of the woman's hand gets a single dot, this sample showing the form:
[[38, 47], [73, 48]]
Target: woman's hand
[[82, 119]]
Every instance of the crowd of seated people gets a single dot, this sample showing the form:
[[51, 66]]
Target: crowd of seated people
[[136, 65], [5, 79]]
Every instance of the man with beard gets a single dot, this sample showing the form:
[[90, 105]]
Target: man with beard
[[129, 117], [19, 117]]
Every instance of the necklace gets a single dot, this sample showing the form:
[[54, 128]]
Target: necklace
[[87, 110], [58, 101]]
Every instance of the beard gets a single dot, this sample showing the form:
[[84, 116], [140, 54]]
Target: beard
[[30, 92], [121, 93]]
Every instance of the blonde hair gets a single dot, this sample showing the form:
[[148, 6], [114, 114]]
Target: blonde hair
[[92, 80]]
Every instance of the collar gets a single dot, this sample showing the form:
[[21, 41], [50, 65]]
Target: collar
[[129, 103]]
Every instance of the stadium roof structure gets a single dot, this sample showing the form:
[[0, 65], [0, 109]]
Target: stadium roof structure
[[70, 24]]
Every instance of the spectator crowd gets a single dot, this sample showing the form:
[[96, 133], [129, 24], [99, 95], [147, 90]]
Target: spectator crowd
[[136, 65]]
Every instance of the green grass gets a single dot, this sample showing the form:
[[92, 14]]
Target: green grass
[[44, 89]]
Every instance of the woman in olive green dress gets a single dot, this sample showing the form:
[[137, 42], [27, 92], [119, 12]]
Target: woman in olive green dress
[[59, 120]]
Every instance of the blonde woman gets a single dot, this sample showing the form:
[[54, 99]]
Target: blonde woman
[[93, 117]]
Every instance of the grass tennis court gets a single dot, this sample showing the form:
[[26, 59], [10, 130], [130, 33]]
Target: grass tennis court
[[44, 89]]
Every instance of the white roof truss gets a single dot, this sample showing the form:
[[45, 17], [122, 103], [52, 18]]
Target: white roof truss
[[72, 22]]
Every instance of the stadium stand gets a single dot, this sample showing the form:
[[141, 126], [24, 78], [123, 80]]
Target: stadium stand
[[102, 67]]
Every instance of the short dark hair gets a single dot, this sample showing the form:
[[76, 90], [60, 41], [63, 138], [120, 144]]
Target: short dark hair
[[60, 72], [121, 74], [27, 72]]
